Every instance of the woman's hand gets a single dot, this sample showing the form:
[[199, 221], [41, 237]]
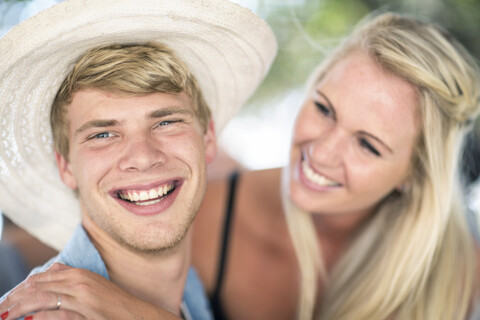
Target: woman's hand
[[64, 292]]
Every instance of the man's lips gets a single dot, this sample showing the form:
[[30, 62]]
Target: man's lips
[[148, 196]]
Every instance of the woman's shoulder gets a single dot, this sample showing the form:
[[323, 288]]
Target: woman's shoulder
[[256, 193], [266, 182], [254, 190]]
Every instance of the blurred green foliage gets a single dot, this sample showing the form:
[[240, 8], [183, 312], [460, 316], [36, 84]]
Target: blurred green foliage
[[307, 29]]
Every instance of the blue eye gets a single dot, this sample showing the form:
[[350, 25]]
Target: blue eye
[[167, 123], [102, 135], [365, 144], [322, 108]]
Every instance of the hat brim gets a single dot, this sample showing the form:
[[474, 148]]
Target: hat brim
[[226, 47]]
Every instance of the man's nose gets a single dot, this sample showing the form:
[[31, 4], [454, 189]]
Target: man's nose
[[141, 153]]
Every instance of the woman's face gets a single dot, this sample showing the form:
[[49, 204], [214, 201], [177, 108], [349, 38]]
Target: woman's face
[[353, 139]]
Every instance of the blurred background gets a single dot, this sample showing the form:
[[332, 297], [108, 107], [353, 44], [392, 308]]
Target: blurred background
[[259, 137]]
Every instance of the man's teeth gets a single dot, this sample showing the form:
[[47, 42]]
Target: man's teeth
[[152, 194], [316, 178]]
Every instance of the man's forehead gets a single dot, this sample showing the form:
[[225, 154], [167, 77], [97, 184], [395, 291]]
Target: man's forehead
[[98, 104], [179, 100]]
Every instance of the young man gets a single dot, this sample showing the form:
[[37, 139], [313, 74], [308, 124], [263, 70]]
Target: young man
[[129, 87]]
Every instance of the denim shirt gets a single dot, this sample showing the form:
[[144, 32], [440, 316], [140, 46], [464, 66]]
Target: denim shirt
[[81, 253]]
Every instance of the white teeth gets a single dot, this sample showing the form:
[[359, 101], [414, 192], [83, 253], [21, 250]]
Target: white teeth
[[159, 192], [316, 178], [153, 194], [144, 196], [148, 203]]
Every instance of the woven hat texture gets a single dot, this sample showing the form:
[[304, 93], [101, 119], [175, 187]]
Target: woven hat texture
[[227, 48]]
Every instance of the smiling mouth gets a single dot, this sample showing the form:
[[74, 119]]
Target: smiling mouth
[[146, 197], [316, 178]]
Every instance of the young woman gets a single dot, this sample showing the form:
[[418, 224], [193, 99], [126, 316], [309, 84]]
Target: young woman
[[367, 221], [371, 194]]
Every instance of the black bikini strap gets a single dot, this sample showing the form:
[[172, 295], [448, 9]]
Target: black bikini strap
[[222, 261]]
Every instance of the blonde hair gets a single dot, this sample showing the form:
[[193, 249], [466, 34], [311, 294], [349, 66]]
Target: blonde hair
[[128, 69], [415, 258]]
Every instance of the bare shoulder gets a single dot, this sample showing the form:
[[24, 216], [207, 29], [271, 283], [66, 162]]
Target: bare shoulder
[[257, 192], [260, 211], [207, 232], [261, 255], [262, 188]]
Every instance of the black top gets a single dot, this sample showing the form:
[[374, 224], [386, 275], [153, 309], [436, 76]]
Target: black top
[[215, 301]]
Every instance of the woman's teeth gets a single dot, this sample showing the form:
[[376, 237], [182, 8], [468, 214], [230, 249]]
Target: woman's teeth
[[316, 178]]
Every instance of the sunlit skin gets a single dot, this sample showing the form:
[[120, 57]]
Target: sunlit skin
[[136, 143], [357, 129]]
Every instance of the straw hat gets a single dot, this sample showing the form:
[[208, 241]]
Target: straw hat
[[227, 47]]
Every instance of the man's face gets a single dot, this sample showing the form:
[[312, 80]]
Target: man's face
[[138, 164]]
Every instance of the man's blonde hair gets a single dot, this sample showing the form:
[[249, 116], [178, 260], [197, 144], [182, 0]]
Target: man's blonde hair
[[126, 69]]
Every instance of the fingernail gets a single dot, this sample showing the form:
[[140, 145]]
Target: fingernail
[[4, 315], [28, 318]]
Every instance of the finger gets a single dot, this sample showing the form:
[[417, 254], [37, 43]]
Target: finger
[[31, 280], [29, 287], [57, 266], [35, 283], [35, 291], [56, 315], [40, 301]]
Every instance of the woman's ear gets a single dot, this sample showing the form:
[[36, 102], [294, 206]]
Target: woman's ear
[[403, 187]]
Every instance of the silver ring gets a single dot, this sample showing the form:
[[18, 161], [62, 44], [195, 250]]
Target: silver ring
[[59, 302]]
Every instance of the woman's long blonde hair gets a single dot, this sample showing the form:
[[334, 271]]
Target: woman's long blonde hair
[[415, 258]]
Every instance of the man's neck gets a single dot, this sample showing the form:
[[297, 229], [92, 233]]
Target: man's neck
[[155, 277]]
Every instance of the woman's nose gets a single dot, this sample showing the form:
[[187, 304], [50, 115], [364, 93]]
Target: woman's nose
[[328, 148]]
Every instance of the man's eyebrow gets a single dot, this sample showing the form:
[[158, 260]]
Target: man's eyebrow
[[169, 111], [96, 124], [153, 115]]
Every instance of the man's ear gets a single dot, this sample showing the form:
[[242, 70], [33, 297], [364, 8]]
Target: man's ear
[[210, 142], [65, 170]]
